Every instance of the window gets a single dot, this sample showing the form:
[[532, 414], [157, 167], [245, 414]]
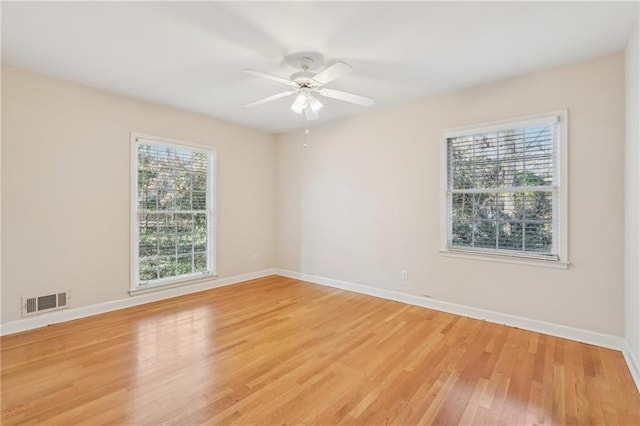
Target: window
[[506, 188], [173, 234]]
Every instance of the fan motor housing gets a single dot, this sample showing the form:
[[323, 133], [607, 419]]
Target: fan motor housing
[[304, 78]]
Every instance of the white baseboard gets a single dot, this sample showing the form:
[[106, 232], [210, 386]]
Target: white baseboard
[[557, 330], [632, 363], [141, 299]]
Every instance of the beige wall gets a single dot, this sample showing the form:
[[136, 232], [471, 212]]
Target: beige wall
[[632, 197], [359, 204], [66, 189], [362, 201]]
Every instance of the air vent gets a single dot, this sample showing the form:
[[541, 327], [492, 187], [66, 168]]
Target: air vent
[[46, 303]]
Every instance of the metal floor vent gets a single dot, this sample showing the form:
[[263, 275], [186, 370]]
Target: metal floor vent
[[46, 303]]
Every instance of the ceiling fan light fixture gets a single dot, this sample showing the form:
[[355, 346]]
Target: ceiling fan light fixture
[[304, 101], [299, 104], [314, 103]]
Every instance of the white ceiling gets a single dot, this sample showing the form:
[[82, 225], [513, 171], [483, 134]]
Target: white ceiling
[[191, 54]]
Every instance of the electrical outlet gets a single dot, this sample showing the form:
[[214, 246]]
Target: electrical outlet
[[254, 258], [404, 275]]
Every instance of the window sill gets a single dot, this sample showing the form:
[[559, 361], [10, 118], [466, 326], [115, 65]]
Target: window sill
[[172, 284], [486, 257]]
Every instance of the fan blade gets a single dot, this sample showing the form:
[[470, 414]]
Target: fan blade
[[345, 96], [270, 77], [334, 71], [311, 114], [271, 98]]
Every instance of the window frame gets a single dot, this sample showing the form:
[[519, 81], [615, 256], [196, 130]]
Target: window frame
[[562, 149], [180, 280]]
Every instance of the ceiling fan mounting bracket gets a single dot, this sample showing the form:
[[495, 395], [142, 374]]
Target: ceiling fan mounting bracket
[[306, 61]]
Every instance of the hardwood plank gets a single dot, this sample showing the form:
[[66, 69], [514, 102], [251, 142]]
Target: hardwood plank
[[281, 351]]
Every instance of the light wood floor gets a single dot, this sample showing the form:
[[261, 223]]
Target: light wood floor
[[279, 351]]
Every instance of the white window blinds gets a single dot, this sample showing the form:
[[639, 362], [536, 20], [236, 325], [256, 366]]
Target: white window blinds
[[503, 189]]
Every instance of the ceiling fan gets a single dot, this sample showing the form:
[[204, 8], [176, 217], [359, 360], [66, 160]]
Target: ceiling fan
[[306, 84]]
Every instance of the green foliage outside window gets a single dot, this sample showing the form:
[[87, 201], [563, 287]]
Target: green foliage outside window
[[501, 188], [172, 212]]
